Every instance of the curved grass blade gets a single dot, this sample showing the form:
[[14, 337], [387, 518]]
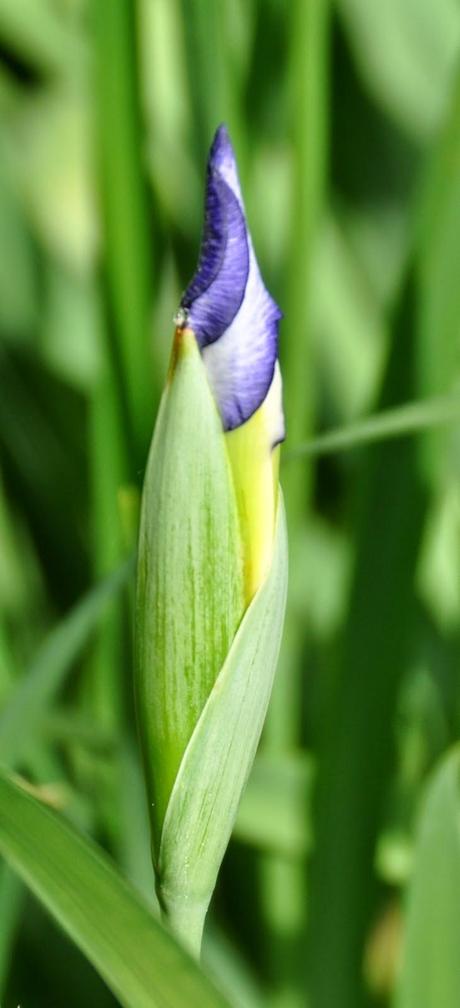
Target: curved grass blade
[[138, 959], [397, 422]]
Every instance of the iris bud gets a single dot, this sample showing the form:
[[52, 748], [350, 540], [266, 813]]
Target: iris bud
[[212, 567]]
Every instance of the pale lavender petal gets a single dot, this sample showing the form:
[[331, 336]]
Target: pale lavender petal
[[234, 318]]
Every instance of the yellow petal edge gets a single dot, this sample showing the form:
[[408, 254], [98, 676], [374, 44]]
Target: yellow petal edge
[[255, 466]]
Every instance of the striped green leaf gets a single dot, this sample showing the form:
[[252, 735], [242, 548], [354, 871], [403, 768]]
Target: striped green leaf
[[138, 959]]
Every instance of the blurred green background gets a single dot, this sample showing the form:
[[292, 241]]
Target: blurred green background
[[346, 122]]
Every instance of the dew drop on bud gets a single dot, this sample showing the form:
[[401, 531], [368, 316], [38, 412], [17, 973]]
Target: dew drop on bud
[[180, 318]]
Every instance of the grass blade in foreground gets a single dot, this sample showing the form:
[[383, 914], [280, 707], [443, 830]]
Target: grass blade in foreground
[[138, 959], [430, 975]]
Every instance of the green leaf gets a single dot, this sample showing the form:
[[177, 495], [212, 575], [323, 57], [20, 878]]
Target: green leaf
[[135, 955], [430, 973], [189, 585], [28, 701], [119, 141], [358, 705], [217, 761]]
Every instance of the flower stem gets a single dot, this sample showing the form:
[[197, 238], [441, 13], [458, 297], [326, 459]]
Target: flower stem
[[185, 918]]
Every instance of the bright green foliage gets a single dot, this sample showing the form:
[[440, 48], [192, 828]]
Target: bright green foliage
[[104, 916], [430, 967]]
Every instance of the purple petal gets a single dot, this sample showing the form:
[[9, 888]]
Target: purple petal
[[214, 296], [234, 318]]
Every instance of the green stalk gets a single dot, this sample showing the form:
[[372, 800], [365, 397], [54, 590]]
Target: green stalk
[[283, 888], [127, 247], [309, 117], [108, 469], [358, 758], [121, 407], [355, 771]]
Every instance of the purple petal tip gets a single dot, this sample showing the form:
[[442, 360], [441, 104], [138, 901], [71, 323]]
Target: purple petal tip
[[222, 154], [234, 318]]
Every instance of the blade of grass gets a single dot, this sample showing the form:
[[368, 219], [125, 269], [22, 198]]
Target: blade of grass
[[283, 887], [128, 250], [439, 359], [357, 750], [392, 423], [360, 762], [108, 470], [308, 129], [439, 365], [138, 959], [439, 242], [105, 689]]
